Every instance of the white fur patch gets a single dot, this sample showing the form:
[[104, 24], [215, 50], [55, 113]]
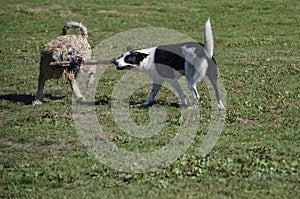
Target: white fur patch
[[197, 64]]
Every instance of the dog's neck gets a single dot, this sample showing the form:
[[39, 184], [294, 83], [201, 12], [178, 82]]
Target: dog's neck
[[144, 66]]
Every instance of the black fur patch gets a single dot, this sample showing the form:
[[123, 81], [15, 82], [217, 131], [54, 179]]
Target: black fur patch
[[169, 59], [135, 58]]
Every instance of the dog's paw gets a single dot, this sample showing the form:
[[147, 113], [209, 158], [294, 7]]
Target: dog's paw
[[189, 107], [81, 100], [183, 105], [37, 102], [221, 107], [89, 84], [144, 105]]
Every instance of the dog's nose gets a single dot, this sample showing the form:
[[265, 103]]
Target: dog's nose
[[115, 62]]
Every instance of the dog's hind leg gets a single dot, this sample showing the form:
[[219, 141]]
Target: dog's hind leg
[[175, 84], [212, 75], [155, 89], [39, 93], [192, 77], [193, 88], [217, 92], [45, 74], [195, 69]]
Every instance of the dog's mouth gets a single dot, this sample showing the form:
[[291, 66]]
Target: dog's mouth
[[128, 67], [118, 67]]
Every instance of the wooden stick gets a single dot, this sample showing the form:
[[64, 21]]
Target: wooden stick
[[60, 63], [95, 62], [90, 62]]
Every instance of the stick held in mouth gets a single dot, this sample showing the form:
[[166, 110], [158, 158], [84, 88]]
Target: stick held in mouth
[[90, 62]]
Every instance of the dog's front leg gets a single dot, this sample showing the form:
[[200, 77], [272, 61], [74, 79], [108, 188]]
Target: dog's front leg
[[91, 72], [90, 81], [75, 87], [175, 84], [77, 92], [155, 88]]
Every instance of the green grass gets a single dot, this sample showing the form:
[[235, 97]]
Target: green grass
[[257, 154]]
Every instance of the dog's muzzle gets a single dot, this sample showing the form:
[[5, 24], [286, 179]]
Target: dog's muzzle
[[75, 64], [124, 67], [115, 62]]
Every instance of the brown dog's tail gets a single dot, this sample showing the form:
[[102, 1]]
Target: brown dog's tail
[[74, 24]]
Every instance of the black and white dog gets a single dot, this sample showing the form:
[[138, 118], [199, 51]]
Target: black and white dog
[[169, 62]]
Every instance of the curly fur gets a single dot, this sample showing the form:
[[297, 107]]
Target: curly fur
[[64, 48]]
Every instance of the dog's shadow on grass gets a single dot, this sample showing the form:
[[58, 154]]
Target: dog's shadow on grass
[[132, 103], [25, 98]]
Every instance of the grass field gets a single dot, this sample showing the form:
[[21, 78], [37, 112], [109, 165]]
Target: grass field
[[257, 155]]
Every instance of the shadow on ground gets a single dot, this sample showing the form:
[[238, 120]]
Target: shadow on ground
[[25, 98]]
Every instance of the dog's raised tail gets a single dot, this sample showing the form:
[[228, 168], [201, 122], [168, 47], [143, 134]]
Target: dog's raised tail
[[208, 39], [74, 24]]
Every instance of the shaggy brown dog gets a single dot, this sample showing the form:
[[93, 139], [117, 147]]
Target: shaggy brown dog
[[71, 48]]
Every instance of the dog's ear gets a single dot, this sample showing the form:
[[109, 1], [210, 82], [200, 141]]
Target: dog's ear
[[129, 48]]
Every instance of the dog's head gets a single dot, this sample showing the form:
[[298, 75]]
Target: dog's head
[[130, 60], [75, 64]]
